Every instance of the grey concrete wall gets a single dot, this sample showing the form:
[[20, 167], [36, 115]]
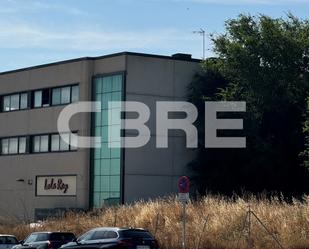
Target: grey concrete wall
[[149, 171], [110, 65], [18, 200]]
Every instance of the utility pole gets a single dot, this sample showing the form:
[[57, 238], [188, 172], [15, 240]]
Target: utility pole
[[249, 227], [203, 34]]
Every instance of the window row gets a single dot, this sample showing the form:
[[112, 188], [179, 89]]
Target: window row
[[14, 102], [37, 144], [40, 98]]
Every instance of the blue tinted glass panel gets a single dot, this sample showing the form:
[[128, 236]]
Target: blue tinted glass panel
[[97, 153], [106, 97], [105, 134], [98, 119], [115, 116], [115, 133], [105, 167], [115, 151], [97, 167], [105, 151], [116, 97], [114, 183], [107, 84], [105, 185], [96, 183], [117, 83], [115, 166], [104, 197], [98, 85], [104, 114], [107, 161], [96, 199]]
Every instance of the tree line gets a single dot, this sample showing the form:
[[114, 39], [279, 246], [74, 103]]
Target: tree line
[[265, 62]]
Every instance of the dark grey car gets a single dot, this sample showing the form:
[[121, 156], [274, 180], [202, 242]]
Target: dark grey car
[[46, 240], [7, 241], [114, 238]]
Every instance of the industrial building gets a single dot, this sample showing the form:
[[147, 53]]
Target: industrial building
[[40, 174]]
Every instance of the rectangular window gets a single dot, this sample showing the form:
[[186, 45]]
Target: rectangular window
[[75, 94], [65, 95], [40, 143], [6, 103], [15, 102], [57, 144], [74, 142], [22, 145], [24, 101], [37, 98], [41, 98], [45, 97], [63, 145], [14, 145], [56, 96], [44, 143], [5, 146], [36, 144]]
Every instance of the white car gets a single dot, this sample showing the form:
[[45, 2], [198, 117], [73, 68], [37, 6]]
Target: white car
[[7, 241]]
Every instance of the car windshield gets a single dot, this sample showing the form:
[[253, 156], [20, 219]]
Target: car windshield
[[85, 236], [36, 237], [136, 234]]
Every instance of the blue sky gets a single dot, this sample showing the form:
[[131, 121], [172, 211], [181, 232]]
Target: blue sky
[[34, 32]]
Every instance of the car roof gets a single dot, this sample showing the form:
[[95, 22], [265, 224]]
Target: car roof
[[116, 229], [7, 235], [48, 232]]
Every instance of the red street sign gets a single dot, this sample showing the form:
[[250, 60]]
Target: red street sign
[[184, 184]]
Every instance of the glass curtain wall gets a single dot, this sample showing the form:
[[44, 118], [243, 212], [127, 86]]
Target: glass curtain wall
[[106, 161]]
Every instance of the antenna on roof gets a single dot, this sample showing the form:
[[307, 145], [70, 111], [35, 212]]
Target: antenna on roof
[[202, 32]]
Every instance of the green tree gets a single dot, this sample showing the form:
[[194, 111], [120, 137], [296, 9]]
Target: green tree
[[265, 62]]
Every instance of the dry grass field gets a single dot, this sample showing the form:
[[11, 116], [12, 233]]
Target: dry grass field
[[212, 223]]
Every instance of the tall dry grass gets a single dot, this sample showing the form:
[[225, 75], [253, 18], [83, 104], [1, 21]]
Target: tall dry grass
[[212, 223]]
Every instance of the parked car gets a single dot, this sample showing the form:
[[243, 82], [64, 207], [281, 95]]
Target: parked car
[[7, 241], [114, 238], [46, 240]]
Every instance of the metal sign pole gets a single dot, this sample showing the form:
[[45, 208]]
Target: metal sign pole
[[184, 226], [183, 197], [249, 228]]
